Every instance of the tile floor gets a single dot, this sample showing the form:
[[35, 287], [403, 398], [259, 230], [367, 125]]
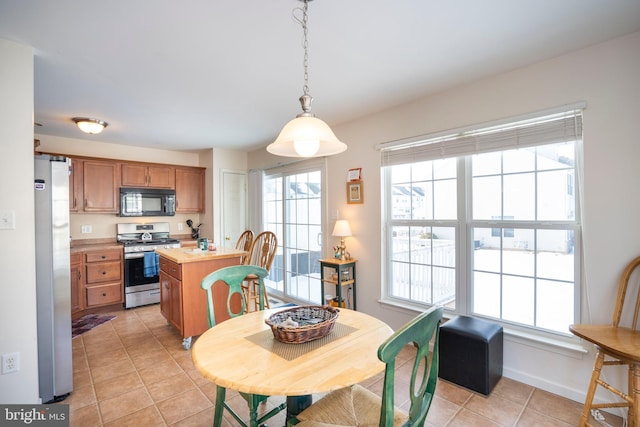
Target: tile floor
[[133, 371]]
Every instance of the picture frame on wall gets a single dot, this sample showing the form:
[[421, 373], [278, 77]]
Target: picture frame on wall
[[354, 174], [355, 192]]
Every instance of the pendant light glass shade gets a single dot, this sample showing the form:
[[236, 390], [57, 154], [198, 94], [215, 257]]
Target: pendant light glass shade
[[306, 137]]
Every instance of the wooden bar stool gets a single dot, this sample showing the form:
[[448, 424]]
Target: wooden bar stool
[[616, 345]]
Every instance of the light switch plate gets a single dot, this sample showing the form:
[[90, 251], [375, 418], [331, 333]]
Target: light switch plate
[[7, 220]]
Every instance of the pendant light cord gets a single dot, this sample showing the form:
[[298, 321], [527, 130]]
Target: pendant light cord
[[305, 43]]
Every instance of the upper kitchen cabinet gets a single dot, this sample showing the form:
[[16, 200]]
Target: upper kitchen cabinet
[[75, 186], [100, 186], [155, 176], [189, 190]]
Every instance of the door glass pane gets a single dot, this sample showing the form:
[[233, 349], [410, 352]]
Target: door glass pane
[[299, 217]]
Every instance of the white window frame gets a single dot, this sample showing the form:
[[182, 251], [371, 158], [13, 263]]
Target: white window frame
[[460, 144]]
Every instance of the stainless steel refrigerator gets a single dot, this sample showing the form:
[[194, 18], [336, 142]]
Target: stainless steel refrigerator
[[53, 284]]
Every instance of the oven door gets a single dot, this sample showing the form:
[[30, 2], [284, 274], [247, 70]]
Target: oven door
[[134, 271]]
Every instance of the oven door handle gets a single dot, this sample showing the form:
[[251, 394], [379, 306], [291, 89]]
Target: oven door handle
[[134, 255]]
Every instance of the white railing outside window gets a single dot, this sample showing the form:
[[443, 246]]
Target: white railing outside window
[[486, 222]]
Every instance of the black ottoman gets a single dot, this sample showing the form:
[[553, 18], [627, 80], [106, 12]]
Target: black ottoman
[[471, 353]]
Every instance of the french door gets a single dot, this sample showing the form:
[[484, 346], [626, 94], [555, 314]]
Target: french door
[[293, 206]]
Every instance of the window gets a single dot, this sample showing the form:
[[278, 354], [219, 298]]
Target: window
[[484, 222]]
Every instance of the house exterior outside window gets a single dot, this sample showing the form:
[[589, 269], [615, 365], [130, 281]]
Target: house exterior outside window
[[486, 222]]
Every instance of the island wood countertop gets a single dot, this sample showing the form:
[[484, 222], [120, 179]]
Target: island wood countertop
[[188, 255]]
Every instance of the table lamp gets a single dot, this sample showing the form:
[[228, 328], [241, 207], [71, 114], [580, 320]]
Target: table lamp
[[342, 230]]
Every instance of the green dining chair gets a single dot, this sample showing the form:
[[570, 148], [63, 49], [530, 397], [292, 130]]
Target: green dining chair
[[234, 305], [357, 406]]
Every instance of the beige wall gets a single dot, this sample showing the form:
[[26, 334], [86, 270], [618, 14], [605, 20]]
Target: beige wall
[[104, 225], [18, 330], [606, 77], [90, 148]]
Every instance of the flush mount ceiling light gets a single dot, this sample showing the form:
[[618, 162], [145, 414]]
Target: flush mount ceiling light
[[92, 126], [306, 135]]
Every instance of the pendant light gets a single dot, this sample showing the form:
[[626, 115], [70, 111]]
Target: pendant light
[[306, 135]]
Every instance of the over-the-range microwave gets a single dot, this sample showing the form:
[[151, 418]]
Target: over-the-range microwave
[[147, 202]]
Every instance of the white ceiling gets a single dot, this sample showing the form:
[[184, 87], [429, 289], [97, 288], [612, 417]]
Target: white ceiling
[[196, 74]]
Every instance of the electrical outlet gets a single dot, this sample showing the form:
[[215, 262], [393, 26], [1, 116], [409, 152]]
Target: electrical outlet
[[7, 220], [179, 226], [10, 363], [86, 229]]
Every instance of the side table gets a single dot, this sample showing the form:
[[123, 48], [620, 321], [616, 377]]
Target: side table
[[346, 276]]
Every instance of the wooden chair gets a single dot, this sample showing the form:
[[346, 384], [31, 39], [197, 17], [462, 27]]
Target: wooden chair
[[263, 251], [225, 299], [356, 405], [244, 244], [620, 345]]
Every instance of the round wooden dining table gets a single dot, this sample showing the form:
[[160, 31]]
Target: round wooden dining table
[[241, 354]]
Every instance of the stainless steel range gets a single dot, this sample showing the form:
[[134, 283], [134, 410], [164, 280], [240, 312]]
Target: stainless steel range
[[141, 265]]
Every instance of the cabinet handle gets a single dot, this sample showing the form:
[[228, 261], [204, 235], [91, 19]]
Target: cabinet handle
[[103, 256], [104, 294], [79, 275], [104, 272]]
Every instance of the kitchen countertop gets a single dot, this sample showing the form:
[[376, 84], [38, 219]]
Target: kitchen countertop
[[187, 255], [80, 246]]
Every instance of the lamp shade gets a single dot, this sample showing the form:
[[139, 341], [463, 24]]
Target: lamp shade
[[92, 126], [306, 136], [342, 228]]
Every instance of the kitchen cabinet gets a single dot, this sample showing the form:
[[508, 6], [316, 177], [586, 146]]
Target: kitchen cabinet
[[103, 283], [170, 292], [182, 301], [190, 190], [94, 184], [100, 186], [76, 283], [139, 175], [75, 186]]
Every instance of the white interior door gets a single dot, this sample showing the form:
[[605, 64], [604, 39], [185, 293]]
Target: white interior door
[[234, 207]]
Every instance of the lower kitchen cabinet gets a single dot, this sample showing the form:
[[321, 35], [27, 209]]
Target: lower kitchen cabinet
[[171, 299], [182, 301], [103, 283], [76, 283]]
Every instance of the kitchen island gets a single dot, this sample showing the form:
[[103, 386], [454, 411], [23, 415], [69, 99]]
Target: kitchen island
[[182, 301]]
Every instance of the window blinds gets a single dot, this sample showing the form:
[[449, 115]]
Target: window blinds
[[546, 129]]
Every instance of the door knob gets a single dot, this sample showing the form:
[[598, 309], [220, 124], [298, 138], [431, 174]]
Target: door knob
[[227, 238]]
